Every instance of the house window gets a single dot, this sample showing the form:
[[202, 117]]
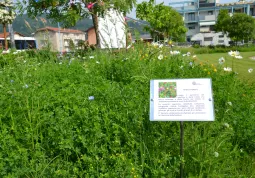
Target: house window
[[191, 16], [210, 12], [208, 39], [192, 27], [66, 42], [76, 42], [221, 36], [251, 12], [212, 27], [221, 41]]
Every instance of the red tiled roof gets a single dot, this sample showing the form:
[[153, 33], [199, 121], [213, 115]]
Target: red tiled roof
[[7, 34], [62, 30]]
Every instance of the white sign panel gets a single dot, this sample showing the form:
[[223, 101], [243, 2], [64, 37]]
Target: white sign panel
[[112, 30], [181, 100]]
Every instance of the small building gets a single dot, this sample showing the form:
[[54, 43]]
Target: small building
[[58, 39], [21, 41]]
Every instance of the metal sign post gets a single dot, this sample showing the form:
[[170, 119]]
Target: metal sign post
[[181, 148], [181, 100]]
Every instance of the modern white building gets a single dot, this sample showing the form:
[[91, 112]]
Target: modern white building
[[200, 17]]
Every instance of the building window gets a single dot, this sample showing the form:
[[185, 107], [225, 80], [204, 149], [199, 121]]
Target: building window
[[210, 12], [191, 16], [251, 12], [188, 38], [76, 42], [208, 39], [66, 42], [212, 27], [221, 41], [192, 27], [221, 36]]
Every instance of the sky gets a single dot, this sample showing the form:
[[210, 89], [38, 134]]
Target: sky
[[166, 2]]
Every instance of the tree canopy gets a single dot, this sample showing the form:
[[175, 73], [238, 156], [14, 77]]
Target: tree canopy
[[223, 20], [164, 21], [239, 26], [7, 14], [69, 12]]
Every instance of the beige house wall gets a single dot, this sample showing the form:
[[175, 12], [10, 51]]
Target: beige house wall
[[45, 38], [66, 37], [57, 41]]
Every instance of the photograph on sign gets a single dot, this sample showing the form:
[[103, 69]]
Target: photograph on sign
[[181, 100], [112, 29]]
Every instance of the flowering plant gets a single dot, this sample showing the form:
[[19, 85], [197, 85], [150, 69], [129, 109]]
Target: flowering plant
[[7, 14]]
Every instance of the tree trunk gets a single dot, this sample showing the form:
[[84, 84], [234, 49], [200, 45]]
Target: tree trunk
[[5, 37], [95, 22]]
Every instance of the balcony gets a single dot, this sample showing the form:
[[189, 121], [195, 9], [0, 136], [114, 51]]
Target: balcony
[[207, 18], [202, 5], [191, 19], [186, 8]]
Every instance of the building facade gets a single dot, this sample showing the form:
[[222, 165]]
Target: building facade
[[58, 39], [91, 36], [200, 17], [20, 40]]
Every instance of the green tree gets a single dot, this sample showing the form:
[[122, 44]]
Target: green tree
[[7, 15], [242, 27], [223, 21], [70, 12], [164, 21], [238, 27]]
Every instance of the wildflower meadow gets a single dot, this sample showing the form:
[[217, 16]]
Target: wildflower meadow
[[86, 114]]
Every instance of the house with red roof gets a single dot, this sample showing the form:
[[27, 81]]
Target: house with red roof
[[58, 39]]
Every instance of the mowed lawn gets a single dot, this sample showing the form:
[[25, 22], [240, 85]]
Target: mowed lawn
[[240, 66]]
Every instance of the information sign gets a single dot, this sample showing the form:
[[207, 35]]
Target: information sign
[[181, 100]]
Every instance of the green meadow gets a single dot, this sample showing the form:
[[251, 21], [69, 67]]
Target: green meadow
[[86, 114], [240, 66]]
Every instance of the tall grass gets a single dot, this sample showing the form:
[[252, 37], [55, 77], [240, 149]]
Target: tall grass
[[88, 116]]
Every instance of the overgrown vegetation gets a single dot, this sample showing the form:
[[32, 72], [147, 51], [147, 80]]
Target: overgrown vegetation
[[216, 49], [88, 116]]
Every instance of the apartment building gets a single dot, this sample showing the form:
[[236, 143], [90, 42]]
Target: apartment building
[[58, 39], [200, 17]]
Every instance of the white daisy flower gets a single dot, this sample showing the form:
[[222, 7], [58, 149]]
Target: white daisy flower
[[227, 69], [216, 154], [160, 57], [221, 60], [238, 57]]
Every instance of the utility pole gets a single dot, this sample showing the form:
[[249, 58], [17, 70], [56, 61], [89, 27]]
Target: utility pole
[[60, 40], [11, 34]]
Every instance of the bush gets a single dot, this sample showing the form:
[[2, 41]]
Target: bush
[[218, 49]]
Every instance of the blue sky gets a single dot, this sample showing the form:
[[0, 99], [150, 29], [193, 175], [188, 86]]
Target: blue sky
[[132, 14]]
